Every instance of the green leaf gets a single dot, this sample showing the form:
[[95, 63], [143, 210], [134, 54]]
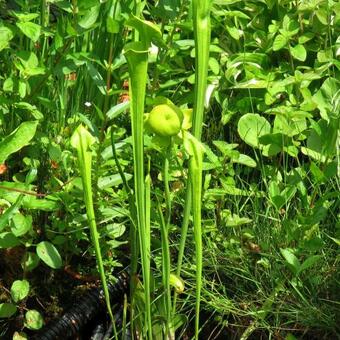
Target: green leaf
[[19, 290], [245, 160], [234, 220], [252, 126], [82, 135], [31, 202], [33, 319], [290, 336], [7, 310], [30, 261], [111, 181], [322, 139], [90, 18], [116, 110], [167, 9], [279, 42], [299, 52], [6, 35], [20, 137], [273, 138], [8, 85], [96, 77], [112, 25], [214, 66], [8, 240], [322, 15], [30, 29], [6, 216], [20, 336], [306, 37], [24, 16], [234, 32], [327, 99], [291, 259], [31, 108], [21, 224], [49, 254], [309, 262], [28, 59], [115, 230], [148, 31]]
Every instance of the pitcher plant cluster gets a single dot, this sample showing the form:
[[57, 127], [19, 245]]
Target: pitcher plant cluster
[[171, 128]]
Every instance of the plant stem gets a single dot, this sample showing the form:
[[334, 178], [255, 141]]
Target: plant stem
[[165, 226], [195, 168]]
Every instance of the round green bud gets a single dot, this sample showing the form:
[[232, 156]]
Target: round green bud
[[165, 120]]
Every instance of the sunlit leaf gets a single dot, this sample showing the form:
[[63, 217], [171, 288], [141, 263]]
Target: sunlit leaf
[[19, 138], [49, 254]]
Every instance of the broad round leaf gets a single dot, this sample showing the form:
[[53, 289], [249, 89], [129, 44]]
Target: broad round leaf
[[21, 224], [30, 261], [251, 127], [7, 310], [299, 52], [19, 138], [20, 336], [30, 29], [279, 42], [33, 320], [49, 254], [6, 35], [8, 240], [19, 290]]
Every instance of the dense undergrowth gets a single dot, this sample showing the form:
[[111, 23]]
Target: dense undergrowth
[[268, 157]]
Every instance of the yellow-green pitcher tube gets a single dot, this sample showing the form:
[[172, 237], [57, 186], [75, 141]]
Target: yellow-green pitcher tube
[[136, 55]]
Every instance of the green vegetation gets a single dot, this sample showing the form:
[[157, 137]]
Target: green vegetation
[[193, 143]]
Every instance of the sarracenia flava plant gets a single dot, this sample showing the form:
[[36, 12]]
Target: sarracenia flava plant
[[195, 151], [136, 54], [201, 20], [82, 141]]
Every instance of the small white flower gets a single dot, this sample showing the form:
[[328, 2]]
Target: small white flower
[[153, 49], [88, 104]]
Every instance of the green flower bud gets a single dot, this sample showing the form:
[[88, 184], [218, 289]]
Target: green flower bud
[[165, 120]]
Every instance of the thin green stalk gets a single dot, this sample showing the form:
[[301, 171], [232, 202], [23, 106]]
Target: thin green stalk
[[124, 318], [165, 226], [195, 150], [119, 167], [133, 231], [137, 59], [166, 186], [82, 141]]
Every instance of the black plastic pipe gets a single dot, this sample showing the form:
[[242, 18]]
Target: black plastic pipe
[[90, 305], [99, 332]]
